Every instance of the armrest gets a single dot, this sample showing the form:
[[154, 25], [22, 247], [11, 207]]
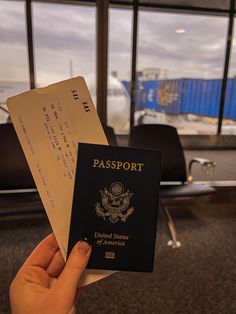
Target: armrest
[[207, 165]]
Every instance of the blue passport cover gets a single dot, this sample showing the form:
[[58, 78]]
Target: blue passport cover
[[115, 206]]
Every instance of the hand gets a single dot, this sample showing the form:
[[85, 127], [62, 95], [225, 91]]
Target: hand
[[45, 284]]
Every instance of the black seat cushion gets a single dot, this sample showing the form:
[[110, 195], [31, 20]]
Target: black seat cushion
[[166, 139], [110, 135], [25, 201], [185, 190], [14, 171]]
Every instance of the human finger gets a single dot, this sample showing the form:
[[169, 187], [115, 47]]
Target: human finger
[[44, 252], [75, 266], [56, 265]]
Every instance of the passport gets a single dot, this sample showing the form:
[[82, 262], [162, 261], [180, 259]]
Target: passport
[[115, 205]]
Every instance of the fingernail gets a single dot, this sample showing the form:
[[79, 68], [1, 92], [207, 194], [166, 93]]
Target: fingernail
[[83, 247], [85, 239]]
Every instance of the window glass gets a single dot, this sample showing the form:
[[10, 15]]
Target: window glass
[[229, 121], [13, 53], [180, 68], [119, 68], [64, 41]]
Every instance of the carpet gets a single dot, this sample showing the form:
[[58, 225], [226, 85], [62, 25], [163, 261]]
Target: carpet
[[198, 278]]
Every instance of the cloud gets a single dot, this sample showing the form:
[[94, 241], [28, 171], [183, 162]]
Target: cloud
[[61, 27], [12, 26], [199, 50], [67, 32]]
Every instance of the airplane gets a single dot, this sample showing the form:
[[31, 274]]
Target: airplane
[[118, 103]]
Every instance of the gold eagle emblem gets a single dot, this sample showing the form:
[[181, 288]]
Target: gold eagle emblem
[[115, 202]]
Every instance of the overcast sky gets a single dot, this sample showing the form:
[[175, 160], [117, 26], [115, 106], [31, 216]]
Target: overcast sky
[[65, 34]]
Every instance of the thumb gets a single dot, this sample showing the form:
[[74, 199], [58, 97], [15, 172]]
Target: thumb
[[75, 266]]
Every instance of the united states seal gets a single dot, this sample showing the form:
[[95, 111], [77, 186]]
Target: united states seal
[[115, 203]]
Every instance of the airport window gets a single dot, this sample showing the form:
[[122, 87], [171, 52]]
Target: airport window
[[229, 121], [180, 59], [180, 65], [119, 67], [64, 42], [13, 53]]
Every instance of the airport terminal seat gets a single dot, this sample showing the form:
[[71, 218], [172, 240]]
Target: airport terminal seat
[[18, 193], [14, 170], [175, 183], [110, 134]]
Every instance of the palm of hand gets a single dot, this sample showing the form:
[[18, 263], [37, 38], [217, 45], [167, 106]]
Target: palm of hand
[[41, 286]]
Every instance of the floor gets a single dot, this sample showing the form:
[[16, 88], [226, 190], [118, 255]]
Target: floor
[[197, 278]]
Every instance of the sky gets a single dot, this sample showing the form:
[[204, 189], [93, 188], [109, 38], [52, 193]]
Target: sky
[[65, 42]]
